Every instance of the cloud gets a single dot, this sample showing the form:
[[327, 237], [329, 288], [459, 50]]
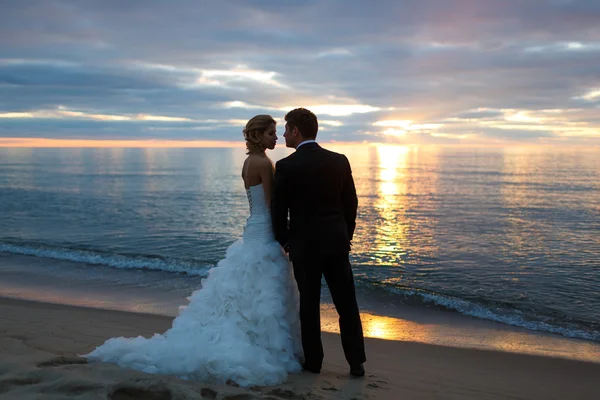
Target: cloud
[[457, 70], [592, 95]]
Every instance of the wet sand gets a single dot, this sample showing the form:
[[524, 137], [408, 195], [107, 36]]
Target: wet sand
[[39, 344]]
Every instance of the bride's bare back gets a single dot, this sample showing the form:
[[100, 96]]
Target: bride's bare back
[[257, 169]]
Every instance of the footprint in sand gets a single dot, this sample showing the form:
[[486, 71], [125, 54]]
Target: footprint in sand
[[286, 394], [151, 393], [381, 385], [8, 384], [57, 361], [155, 389], [52, 383], [208, 393]]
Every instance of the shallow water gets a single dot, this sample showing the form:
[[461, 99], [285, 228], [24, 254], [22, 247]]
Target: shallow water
[[510, 235]]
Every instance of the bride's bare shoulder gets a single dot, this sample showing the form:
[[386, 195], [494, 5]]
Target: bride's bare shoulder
[[257, 162], [254, 168]]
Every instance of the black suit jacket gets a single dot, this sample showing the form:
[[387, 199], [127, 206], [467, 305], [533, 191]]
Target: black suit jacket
[[316, 187]]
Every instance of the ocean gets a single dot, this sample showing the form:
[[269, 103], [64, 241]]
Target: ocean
[[510, 235]]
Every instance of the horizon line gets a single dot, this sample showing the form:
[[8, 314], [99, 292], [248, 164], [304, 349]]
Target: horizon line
[[12, 142], [135, 143]]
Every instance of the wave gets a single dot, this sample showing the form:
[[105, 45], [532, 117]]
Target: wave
[[409, 296], [155, 263], [498, 314]]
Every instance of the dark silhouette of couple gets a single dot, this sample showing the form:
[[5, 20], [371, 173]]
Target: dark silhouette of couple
[[244, 324]]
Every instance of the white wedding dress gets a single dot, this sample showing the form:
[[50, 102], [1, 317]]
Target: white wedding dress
[[242, 325]]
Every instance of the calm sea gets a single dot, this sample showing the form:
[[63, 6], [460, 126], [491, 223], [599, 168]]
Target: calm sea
[[510, 235]]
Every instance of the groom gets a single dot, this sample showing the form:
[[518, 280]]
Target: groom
[[316, 187]]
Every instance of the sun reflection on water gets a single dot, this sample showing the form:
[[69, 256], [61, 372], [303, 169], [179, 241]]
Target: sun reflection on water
[[392, 163], [391, 229]]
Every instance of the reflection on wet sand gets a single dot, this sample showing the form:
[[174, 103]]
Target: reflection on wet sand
[[88, 299], [379, 327], [470, 333]]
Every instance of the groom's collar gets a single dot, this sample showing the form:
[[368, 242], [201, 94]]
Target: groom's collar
[[306, 142]]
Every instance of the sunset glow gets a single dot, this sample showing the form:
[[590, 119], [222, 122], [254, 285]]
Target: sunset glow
[[400, 77], [43, 142]]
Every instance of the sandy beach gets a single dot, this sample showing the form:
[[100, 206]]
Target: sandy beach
[[39, 344]]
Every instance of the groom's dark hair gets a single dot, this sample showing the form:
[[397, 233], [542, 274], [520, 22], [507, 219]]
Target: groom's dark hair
[[305, 121]]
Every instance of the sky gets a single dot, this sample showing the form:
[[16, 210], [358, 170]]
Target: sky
[[392, 71]]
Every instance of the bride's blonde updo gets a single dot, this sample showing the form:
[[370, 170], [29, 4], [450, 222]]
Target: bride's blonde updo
[[255, 128]]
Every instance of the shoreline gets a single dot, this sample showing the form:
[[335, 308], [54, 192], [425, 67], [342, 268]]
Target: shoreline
[[39, 344], [402, 323], [161, 292]]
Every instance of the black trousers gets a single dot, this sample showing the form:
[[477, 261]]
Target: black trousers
[[336, 268]]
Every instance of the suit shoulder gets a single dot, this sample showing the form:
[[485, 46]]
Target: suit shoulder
[[331, 153], [284, 161], [337, 156]]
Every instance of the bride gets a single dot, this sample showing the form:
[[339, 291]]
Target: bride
[[242, 325]]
